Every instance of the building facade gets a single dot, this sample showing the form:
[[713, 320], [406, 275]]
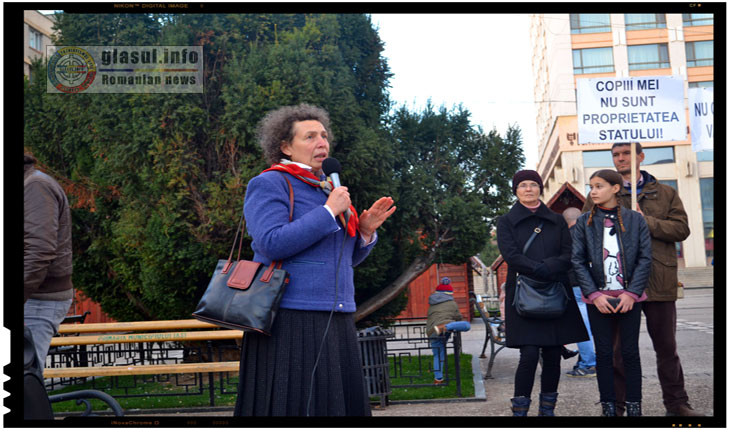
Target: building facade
[[568, 47], [37, 32]]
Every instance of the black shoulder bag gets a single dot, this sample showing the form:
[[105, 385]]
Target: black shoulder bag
[[244, 295], [539, 299]]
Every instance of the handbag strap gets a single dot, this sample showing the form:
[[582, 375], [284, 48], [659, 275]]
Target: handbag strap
[[535, 232], [241, 223]]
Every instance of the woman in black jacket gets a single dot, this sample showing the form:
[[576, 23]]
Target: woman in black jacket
[[547, 259]]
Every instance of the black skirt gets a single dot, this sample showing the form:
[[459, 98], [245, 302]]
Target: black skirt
[[276, 370]]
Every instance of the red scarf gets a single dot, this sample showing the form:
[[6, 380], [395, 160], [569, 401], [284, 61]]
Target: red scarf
[[308, 177]]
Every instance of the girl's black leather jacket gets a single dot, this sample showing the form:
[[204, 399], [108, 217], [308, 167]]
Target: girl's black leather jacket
[[634, 251]]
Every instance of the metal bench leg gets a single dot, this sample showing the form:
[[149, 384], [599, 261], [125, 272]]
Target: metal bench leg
[[81, 396], [492, 356], [491, 360], [491, 363]]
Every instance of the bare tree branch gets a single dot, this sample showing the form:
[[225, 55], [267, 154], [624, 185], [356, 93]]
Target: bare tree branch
[[418, 266]]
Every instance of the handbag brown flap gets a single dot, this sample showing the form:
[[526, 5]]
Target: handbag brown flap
[[243, 274], [266, 277]]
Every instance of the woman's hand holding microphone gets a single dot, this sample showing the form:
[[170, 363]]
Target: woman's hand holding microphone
[[339, 200]]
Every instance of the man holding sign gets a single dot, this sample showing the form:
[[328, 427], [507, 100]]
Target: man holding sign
[[667, 221]]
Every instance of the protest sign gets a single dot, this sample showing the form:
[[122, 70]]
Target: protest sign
[[637, 109], [702, 118]]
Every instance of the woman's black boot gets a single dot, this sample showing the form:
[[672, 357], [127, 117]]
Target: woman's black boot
[[547, 404], [520, 406]]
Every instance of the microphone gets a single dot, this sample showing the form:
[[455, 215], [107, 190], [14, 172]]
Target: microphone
[[331, 167]]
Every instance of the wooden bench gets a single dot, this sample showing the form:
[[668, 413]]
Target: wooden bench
[[70, 319], [494, 332], [146, 369], [71, 354], [142, 332]]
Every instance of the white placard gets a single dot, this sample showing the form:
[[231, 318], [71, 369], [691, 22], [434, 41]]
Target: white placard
[[636, 109], [702, 118]]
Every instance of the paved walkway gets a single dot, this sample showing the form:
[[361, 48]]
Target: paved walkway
[[578, 396]]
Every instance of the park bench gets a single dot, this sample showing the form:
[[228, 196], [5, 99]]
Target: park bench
[[494, 327], [36, 401], [142, 332], [73, 355]]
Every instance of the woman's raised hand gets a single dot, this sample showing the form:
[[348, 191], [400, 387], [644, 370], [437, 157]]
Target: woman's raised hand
[[372, 218]]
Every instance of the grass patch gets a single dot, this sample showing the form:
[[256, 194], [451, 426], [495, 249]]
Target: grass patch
[[425, 376], [175, 396], [150, 393]]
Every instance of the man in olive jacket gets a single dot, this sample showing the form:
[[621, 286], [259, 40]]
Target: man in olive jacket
[[47, 288], [667, 221]]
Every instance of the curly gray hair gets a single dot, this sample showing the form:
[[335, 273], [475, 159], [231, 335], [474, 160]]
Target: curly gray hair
[[278, 126]]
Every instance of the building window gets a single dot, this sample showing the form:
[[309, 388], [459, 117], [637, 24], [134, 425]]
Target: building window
[[702, 84], [691, 19], [592, 60], [699, 53], [644, 21], [35, 40], [705, 156], [654, 56], [661, 155], [707, 186], [597, 159], [581, 23], [671, 182]]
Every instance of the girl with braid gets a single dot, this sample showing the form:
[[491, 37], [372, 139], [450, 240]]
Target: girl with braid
[[612, 261]]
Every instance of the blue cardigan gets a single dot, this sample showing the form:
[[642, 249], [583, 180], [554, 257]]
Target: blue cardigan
[[309, 246]]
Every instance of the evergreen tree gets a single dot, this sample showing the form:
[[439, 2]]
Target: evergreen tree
[[156, 181], [451, 181]]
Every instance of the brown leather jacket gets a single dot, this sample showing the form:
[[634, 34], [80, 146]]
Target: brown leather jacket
[[46, 238], [667, 221]]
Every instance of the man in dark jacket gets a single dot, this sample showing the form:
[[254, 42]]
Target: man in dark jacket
[[667, 221], [443, 318], [47, 288]]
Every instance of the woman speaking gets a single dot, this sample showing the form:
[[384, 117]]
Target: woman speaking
[[310, 365]]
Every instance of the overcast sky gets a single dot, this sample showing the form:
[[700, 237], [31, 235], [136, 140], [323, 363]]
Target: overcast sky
[[482, 61]]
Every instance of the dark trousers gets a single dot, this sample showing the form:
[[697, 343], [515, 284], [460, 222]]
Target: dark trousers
[[604, 328], [525, 375], [661, 323]]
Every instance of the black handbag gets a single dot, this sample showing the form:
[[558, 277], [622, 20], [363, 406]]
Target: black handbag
[[244, 295], [539, 299]]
